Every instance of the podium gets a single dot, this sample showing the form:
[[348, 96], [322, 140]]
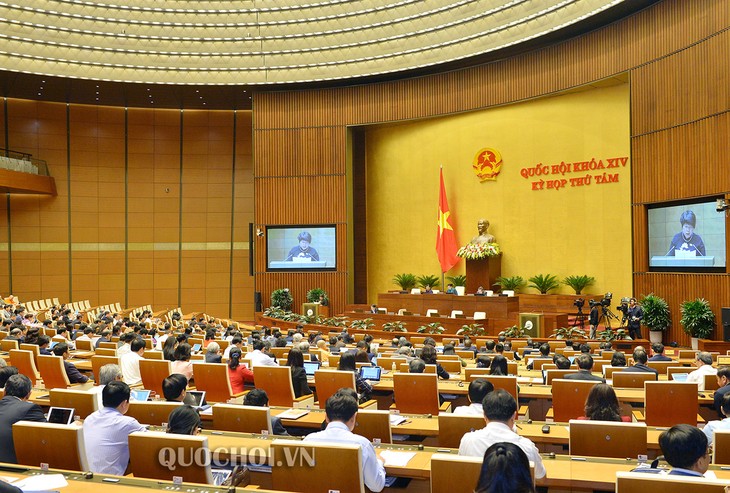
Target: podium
[[483, 272], [316, 309]]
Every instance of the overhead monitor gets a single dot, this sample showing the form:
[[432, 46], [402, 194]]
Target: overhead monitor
[[305, 247], [687, 236]]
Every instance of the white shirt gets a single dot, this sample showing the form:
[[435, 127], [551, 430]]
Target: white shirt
[[712, 426], [373, 472], [130, 368], [97, 390], [160, 341], [106, 436], [698, 376], [124, 349], [473, 409], [477, 442], [257, 358], [227, 351]]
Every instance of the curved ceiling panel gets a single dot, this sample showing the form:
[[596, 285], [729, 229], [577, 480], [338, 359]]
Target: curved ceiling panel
[[262, 42]]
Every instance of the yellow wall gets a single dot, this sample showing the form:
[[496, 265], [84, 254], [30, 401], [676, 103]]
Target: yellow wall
[[570, 231]]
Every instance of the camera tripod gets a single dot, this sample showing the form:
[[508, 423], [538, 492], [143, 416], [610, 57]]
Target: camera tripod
[[580, 319], [606, 316]]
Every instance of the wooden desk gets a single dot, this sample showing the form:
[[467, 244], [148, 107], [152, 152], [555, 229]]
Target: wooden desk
[[127, 484], [562, 471], [504, 307]]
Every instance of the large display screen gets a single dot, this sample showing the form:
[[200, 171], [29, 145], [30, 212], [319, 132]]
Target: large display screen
[[687, 237], [304, 247]]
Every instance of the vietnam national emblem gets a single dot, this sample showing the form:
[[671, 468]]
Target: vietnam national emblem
[[487, 164]]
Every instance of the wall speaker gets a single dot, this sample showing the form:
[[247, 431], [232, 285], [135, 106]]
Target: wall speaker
[[257, 301], [726, 324]]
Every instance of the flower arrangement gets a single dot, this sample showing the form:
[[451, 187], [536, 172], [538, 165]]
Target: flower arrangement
[[476, 251]]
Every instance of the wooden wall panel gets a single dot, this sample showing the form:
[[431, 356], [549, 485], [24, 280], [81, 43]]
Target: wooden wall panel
[[651, 34], [131, 237], [676, 56], [242, 279], [312, 151], [676, 288], [681, 88], [299, 283], [5, 277], [301, 200], [682, 161]]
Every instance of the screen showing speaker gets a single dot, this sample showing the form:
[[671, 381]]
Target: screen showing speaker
[[687, 236], [301, 247]]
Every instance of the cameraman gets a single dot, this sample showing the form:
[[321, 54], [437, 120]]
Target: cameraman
[[593, 318], [634, 314]]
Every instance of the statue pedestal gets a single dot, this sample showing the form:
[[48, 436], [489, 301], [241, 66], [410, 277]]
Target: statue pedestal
[[483, 272]]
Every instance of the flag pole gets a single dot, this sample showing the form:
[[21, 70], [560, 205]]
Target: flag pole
[[443, 286]]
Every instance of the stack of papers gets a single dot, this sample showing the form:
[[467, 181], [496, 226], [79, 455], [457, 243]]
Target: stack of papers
[[41, 482], [396, 459], [293, 414], [396, 419]]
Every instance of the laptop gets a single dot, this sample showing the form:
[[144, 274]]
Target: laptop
[[199, 396], [371, 373], [139, 395], [680, 377], [310, 367], [61, 415], [196, 347], [220, 476], [53, 344]]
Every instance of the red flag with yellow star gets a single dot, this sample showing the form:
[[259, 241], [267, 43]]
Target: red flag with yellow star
[[446, 247]]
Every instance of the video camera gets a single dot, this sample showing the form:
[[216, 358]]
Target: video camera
[[624, 306], [579, 303], [605, 302]]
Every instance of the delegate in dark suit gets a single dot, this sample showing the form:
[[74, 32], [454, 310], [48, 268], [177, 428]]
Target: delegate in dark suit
[[660, 357], [12, 410], [74, 375], [639, 367], [9, 488], [640, 362], [584, 375], [213, 358], [299, 381], [585, 366]]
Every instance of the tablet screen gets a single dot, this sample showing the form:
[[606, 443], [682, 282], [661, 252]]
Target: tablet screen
[[61, 415], [370, 373]]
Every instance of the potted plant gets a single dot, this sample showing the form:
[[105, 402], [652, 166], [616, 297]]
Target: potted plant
[[426, 280], [459, 280], [470, 330], [657, 316], [405, 281], [610, 335], [544, 283], [274, 312], [396, 326], [568, 333], [432, 328], [513, 283], [697, 319], [335, 321], [364, 324], [281, 298], [514, 332], [314, 294], [578, 283]]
